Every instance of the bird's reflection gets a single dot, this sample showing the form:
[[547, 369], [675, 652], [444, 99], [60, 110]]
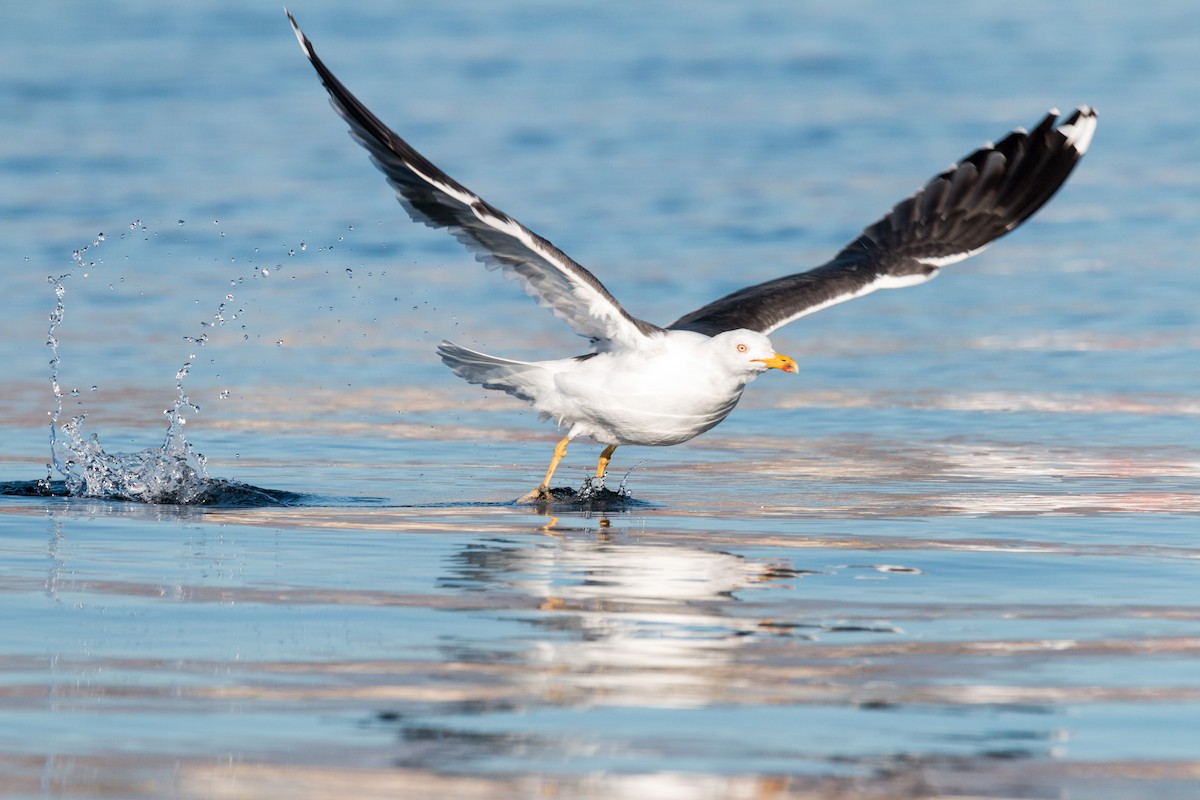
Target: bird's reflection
[[624, 622]]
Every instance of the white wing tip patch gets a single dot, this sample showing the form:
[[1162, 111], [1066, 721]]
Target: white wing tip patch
[[1079, 133]]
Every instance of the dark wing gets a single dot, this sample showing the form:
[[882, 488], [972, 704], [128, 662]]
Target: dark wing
[[952, 217], [431, 196]]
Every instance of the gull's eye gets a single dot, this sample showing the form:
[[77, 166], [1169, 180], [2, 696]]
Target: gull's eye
[[742, 347]]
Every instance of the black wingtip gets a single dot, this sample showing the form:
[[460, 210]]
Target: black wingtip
[[959, 212], [987, 194]]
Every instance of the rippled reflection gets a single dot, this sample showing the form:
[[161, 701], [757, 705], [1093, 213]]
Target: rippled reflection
[[625, 623]]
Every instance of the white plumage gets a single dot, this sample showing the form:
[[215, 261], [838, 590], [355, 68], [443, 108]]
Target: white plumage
[[643, 384]]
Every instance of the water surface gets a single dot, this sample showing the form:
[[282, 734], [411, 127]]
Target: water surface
[[956, 556]]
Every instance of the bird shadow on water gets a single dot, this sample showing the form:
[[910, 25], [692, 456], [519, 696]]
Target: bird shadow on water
[[219, 493]]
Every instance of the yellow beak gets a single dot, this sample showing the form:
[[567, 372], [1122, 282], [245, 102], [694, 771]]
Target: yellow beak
[[778, 361]]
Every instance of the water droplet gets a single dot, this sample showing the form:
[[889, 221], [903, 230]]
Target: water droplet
[[95, 388], [349, 272], [279, 342], [303, 245], [265, 272]]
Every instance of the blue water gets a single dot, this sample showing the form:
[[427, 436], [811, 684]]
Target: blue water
[[956, 555]]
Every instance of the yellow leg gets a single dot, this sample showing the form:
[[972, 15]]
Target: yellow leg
[[605, 457], [542, 492], [560, 450]]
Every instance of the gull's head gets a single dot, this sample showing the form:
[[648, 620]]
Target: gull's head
[[749, 352]]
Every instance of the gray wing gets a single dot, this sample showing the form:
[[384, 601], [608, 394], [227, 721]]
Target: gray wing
[[954, 216], [572, 293]]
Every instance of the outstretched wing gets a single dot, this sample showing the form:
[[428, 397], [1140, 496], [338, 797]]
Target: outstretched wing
[[431, 196], [952, 217]]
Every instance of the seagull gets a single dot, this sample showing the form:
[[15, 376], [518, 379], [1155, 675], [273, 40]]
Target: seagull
[[645, 384]]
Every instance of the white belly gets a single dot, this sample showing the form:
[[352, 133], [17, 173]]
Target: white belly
[[661, 403]]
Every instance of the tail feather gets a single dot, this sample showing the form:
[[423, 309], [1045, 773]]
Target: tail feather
[[490, 372]]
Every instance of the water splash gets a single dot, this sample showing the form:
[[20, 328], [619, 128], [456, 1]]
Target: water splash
[[591, 497], [173, 473]]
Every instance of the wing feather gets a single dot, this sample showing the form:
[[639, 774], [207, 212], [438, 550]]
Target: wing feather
[[954, 216], [571, 292]]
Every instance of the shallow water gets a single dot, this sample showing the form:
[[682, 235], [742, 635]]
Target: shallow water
[[956, 556]]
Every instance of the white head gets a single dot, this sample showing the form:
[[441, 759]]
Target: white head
[[749, 352]]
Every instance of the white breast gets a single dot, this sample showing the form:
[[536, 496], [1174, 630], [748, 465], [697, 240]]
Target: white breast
[[658, 396]]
